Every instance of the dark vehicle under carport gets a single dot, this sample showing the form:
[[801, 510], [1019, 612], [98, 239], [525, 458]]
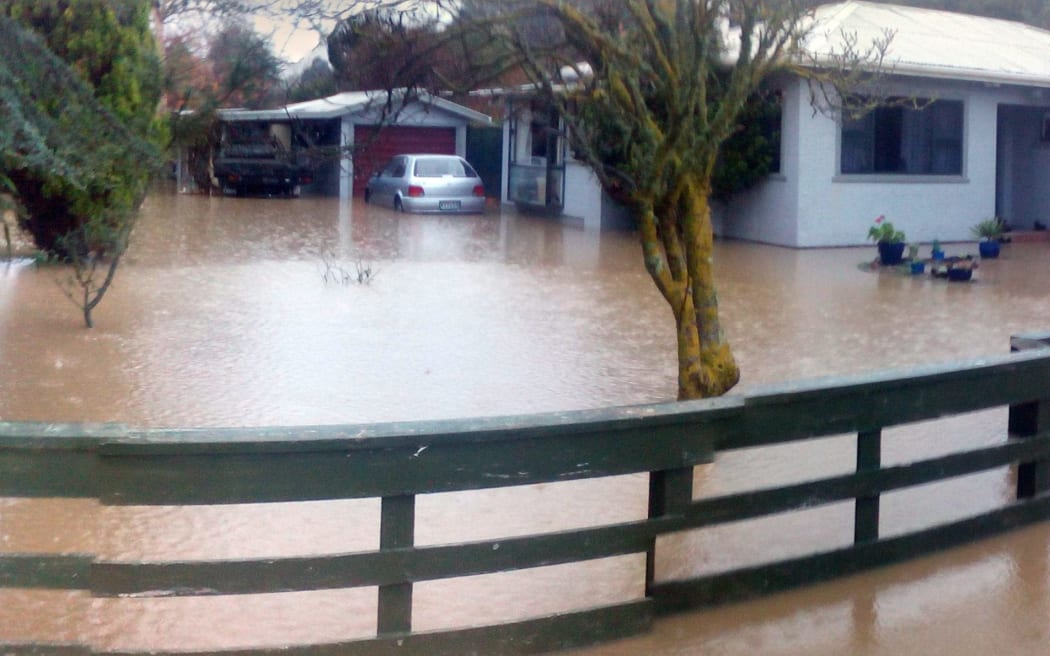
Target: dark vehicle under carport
[[253, 159]]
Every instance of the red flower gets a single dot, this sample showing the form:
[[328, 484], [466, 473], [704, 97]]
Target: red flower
[[880, 218]]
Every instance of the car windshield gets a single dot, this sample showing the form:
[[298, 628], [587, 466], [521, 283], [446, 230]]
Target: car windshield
[[439, 167]]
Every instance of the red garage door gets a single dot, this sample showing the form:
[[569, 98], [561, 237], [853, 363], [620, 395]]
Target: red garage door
[[379, 145]]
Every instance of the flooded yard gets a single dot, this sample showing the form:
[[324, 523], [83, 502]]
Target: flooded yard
[[247, 312]]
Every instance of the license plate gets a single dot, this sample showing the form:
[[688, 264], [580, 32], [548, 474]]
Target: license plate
[[448, 205]]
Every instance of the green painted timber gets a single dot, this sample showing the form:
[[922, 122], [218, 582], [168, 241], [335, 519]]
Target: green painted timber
[[435, 457], [53, 572], [398, 461], [23, 649], [751, 582], [435, 562]]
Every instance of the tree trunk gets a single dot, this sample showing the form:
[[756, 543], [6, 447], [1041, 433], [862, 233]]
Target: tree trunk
[[718, 369], [679, 261]]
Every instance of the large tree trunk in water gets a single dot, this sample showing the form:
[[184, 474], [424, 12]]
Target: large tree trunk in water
[[678, 251], [718, 372]]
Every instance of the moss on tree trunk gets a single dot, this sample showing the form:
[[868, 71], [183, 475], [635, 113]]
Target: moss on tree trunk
[[678, 244]]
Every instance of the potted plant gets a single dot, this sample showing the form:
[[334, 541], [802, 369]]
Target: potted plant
[[989, 232], [936, 252], [917, 266], [889, 240], [959, 269]]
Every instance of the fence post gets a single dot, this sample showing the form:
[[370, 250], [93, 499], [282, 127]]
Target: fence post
[[866, 509], [397, 525], [670, 491], [1027, 420]]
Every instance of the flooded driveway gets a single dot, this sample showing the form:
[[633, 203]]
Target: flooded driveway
[[247, 312]]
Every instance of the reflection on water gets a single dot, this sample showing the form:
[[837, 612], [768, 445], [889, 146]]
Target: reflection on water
[[222, 316]]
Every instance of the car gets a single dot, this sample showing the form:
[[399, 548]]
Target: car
[[261, 157], [428, 183]]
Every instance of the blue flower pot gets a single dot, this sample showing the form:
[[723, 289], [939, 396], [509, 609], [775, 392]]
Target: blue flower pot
[[918, 267], [890, 254], [988, 249], [960, 275]]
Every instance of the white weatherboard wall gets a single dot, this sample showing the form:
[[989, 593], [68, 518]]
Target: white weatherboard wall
[[769, 212], [583, 194], [838, 210], [809, 204]]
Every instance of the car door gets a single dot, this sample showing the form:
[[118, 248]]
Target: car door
[[385, 185]]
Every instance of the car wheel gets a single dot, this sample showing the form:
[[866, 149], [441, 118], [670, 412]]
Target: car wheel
[[398, 207]]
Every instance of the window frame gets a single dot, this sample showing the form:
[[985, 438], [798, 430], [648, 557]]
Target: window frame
[[958, 140]]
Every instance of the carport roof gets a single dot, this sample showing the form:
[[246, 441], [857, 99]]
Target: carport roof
[[342, 104], [941, 44]]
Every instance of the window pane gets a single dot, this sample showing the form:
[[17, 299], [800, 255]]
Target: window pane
[[439, 167], [902, 139]]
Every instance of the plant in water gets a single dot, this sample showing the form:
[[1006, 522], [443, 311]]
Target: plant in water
[[94, 252], [884, 232], [362, 274]]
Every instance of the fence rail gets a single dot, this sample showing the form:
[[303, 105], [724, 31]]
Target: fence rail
[[396, 462]]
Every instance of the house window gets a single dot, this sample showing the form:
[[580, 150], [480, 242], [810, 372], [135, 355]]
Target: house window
[[904, 140], [770, 121]]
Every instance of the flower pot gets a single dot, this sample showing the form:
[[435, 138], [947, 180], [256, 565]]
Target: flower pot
[[890, 254], [937, 254], [918, 267], [988, 249], [960, 275]]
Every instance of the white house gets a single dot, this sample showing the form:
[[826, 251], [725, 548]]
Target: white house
[[365, 130], [979, 149]]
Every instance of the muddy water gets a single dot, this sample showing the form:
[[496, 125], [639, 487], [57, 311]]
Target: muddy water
[[233, 312]]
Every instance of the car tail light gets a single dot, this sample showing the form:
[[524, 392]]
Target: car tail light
[[233, 177], [479, 191], [415, 191], [306, 180]]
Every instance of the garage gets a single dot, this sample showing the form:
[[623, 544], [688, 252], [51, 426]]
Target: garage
[[376, 146], [361, 133]]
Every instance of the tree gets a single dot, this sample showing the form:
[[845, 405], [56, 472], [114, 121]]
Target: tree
[[391, 47], [232, 66], [659, 87], [78, 86], [111, 48], [247, 71]]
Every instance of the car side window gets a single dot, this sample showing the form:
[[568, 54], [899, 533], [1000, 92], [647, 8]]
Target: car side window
[[395, 168]]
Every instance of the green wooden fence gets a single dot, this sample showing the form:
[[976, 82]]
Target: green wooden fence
[[397, 461]]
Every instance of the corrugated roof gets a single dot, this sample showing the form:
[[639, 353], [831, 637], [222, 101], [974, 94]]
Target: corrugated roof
[[934, 43], [341, 104]]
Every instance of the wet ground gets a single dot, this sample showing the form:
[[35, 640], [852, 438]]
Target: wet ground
[[243, 311]]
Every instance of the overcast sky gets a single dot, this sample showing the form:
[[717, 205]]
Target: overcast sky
[[289, 43]]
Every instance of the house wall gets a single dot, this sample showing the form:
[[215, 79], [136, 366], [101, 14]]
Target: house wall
[[769, 212], [809, 204], [583, 194]]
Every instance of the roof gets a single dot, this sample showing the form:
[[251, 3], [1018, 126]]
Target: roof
[[935, 43], [342, 104]]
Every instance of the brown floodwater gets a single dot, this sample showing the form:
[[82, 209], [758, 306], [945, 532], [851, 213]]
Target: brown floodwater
[[247, 312]]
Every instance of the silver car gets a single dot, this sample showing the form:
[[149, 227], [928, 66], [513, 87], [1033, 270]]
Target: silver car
[[427, 183]]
